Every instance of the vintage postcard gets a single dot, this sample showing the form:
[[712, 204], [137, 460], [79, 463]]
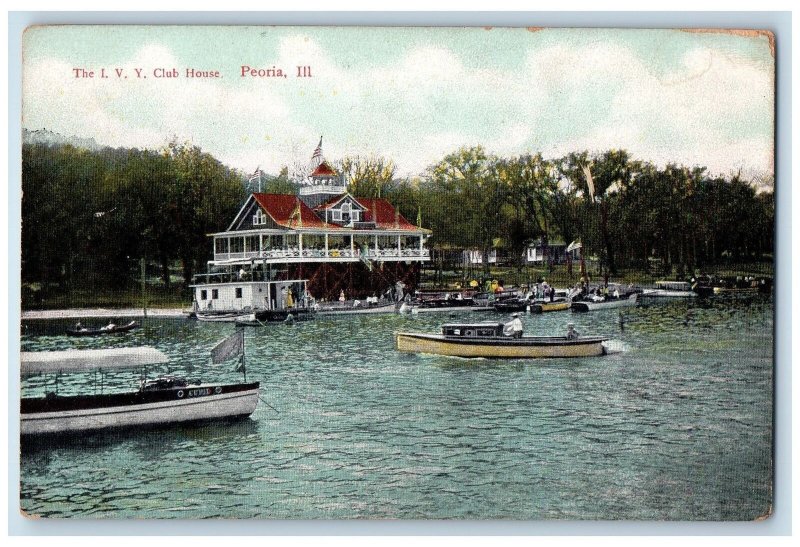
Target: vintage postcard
[[397, 273]]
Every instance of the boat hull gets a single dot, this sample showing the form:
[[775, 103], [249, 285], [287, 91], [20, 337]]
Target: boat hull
[[544, 307], [588, 305], [223, 317], [520, 348], [357, 310], [664, 293], [90, 413]]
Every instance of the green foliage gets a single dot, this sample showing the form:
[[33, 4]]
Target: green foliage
[[88, 217]]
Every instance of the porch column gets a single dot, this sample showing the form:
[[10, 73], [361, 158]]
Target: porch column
[[376, 244], [326, 244], [399, 249], [300, 243], [352, 249]]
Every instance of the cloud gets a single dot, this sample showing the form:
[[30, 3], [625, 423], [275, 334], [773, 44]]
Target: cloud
[[709, 106]]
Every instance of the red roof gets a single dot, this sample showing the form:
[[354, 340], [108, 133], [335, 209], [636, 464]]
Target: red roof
[[330, 202], [282, 207], [323, 170], [384, 215]]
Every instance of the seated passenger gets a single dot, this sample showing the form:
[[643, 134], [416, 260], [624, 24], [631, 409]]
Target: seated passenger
[[572, 334]]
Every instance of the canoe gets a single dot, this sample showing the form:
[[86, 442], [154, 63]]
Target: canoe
[[87, 331], [527, 347]]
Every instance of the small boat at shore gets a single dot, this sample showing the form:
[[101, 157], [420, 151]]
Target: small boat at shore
[[604, 303], [355, 307], [221, 316], [160, 401], [670, 289], [111, 328], [544, 306], [487, 340]]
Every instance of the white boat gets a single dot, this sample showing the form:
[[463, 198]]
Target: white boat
[[160, 401], [355, 307], [670, 289], [603, 303], [223, 317]]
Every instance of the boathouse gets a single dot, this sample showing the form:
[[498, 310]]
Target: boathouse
[[323, 234]]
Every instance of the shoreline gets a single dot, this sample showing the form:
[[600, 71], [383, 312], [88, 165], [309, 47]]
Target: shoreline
[[80, 313]]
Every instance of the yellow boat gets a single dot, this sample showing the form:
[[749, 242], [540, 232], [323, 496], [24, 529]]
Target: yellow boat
[[542, 307], [487, 340]]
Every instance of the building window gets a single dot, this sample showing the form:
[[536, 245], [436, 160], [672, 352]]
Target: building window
[[203, 295], [238, 292], [214, 294], [336, 214], [259, 218]]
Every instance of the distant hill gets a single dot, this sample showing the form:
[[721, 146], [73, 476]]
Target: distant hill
[[44, 136]]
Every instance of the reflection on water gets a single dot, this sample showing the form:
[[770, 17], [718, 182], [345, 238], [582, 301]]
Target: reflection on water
[[677, 425]]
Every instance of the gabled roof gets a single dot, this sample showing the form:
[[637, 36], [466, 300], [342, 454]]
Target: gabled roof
[[283, 208], [385, 215], [336, 200], [323, 170]]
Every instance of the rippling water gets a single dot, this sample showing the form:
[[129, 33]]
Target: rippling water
[[677, 425]]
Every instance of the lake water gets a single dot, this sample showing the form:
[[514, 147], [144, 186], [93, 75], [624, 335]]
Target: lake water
[[677, 425]]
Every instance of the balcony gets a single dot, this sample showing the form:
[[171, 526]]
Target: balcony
[[294, 255]]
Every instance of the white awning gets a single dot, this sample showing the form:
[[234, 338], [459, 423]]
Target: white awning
[[82, 360]]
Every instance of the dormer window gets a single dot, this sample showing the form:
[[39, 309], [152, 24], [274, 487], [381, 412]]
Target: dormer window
[[345, 212]]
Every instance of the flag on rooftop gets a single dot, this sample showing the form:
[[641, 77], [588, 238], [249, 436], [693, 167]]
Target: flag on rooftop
[[316, 157], [256, 174]]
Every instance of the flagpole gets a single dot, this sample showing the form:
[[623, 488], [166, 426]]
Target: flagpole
[[244, 354]]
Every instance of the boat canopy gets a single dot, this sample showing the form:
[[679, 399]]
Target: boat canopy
[[83, 360]]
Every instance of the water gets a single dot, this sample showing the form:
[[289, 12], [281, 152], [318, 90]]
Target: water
[[677, 425]]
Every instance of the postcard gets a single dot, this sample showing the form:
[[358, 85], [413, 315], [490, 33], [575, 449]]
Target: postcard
[[397, 273]]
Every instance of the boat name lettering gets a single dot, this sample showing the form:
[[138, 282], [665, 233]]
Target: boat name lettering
[[199, 392]]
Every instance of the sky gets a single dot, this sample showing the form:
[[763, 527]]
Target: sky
[[411, 95]]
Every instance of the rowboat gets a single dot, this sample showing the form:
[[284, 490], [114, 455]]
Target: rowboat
[[222, 316], [159, 401], [487, 340], [94, 331], [592, 305]]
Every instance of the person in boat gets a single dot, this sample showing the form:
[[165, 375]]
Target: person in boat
[[79, 327], [341, 296], [514, 327], [572, 334]]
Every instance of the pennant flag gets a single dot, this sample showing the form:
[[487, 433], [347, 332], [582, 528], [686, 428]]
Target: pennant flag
[[574, 245], [589, 181], [232, 346]]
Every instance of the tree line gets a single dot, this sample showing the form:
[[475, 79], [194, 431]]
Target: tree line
[[89, 217]]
